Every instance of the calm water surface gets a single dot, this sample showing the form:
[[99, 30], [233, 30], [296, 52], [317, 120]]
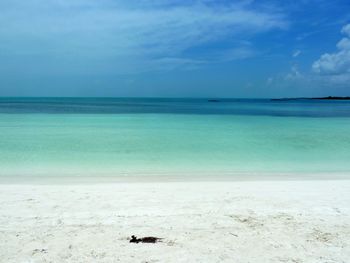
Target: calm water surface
[[108, 136]]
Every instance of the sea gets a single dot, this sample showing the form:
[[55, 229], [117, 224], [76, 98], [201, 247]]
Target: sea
[[174, 138]]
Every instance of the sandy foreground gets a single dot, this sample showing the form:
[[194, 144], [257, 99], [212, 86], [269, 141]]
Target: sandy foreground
[[267, 221]]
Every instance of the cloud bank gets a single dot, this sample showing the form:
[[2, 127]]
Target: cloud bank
[[129, 36]]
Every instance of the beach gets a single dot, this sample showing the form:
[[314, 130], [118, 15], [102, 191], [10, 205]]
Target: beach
[[228, 221], [235, 181], [174, 131]]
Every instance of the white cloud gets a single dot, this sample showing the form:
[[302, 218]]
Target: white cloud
[[346, 30], [336, 65], [270, 81], [296, 53], [294, 73], [129, 34], [331, 70], [344, 44]]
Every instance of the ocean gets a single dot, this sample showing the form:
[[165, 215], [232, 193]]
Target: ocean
[[103, 137]]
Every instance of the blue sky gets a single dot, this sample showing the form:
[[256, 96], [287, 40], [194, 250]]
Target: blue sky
[[169, 48]]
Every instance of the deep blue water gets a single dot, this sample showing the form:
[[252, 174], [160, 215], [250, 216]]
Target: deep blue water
[[254, 107]]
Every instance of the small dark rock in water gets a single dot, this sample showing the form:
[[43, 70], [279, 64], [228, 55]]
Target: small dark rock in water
[[213, 100], [134, 239]]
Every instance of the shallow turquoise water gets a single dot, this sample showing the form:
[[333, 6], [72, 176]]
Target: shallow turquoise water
[[155, 143]]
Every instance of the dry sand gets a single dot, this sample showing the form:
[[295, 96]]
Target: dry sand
[[268, 221]]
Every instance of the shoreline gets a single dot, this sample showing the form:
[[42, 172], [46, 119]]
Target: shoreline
[[171, 177]]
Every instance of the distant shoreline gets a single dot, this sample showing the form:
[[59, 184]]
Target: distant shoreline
[[316, 98]]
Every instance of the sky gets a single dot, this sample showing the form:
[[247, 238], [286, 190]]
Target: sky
[[173, 48]]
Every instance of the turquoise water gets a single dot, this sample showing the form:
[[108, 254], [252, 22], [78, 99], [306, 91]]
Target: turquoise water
[[105, 138]]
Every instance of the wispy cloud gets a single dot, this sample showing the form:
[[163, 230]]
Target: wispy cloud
[[129, 36], [296, 53]]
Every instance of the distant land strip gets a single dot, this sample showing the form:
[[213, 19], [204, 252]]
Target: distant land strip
[[320, 98]]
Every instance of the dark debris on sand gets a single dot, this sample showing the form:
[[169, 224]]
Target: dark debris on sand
[[134, 239]]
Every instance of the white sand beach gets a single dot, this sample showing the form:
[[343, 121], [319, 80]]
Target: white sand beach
[[253, 221]]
